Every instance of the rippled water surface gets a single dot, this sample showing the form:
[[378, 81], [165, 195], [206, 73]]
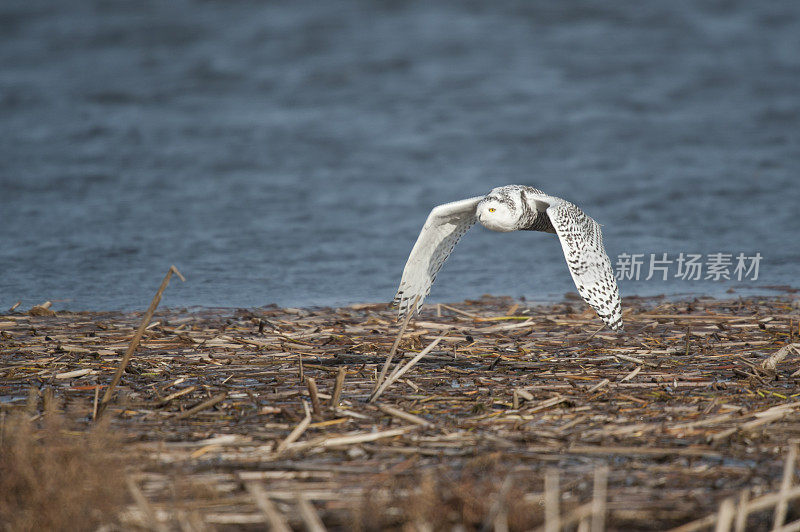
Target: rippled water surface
[[289, 152]]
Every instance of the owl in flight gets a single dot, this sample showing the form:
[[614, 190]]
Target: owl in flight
[[515, 208]]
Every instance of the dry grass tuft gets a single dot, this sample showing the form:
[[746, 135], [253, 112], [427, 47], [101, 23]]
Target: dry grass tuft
[[55, 479]]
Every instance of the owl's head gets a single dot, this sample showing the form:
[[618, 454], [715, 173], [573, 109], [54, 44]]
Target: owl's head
[[498, 214]]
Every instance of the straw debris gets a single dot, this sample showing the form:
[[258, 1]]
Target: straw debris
[[492, 414]]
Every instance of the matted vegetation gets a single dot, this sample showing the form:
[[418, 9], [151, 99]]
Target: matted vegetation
[[519, 417]]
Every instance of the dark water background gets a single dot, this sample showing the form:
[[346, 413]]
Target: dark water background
[[289, 152]]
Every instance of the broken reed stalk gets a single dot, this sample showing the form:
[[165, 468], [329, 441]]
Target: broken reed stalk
[[599, 330], [337, 388], [497, 516], [202, 406], [741, 512], [141, 501], [597, 386], [137, 337], [297, 431], [276, 521], [552, 496], [396, 343], [309, 514], [94, 404], [311, 383], [400, 414], [599, 499], [777, 357], [300, 374], [688, 339], [521, 392], [400, 371], [459, 311], [352, 439], [725, 516], [786, 484], [177, 394]]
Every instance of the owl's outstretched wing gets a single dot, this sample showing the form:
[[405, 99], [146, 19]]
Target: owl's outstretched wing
[[588, 263], [442, 230]]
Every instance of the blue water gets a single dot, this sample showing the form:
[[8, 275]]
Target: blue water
[[289, 152]]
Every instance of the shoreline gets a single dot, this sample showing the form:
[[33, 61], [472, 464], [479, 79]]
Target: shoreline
[[746, 293], [678, 413]]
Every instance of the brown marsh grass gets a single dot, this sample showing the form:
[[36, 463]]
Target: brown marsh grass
[[52, 478]]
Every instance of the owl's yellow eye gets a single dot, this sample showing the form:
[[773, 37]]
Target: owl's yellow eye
[[491, 209]]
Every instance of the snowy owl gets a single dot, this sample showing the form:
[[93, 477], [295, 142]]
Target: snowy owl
[[515, 208]]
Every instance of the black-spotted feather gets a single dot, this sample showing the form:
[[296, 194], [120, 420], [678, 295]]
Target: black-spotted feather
[[582, 243]]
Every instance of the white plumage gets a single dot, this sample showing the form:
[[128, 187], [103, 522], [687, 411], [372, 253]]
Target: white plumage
[[515, 208]]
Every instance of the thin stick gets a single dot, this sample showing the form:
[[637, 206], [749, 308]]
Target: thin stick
[[355, 438], [632, 374], [794, 526], [462, 312], [177, 394], [635, 360], [599, 499], [298, 430], [547, 403], [786, 483], [144, 506], [599, 385], [727, 511], [497, 516], [208, 403], [400, 372], [337, 388], [96, 397], [276, 521], [396, 412], [741, 512], [309, 514], [396, 343], [552, 494], [595, 333], [688, 335], [137, 337], [311, 382]]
